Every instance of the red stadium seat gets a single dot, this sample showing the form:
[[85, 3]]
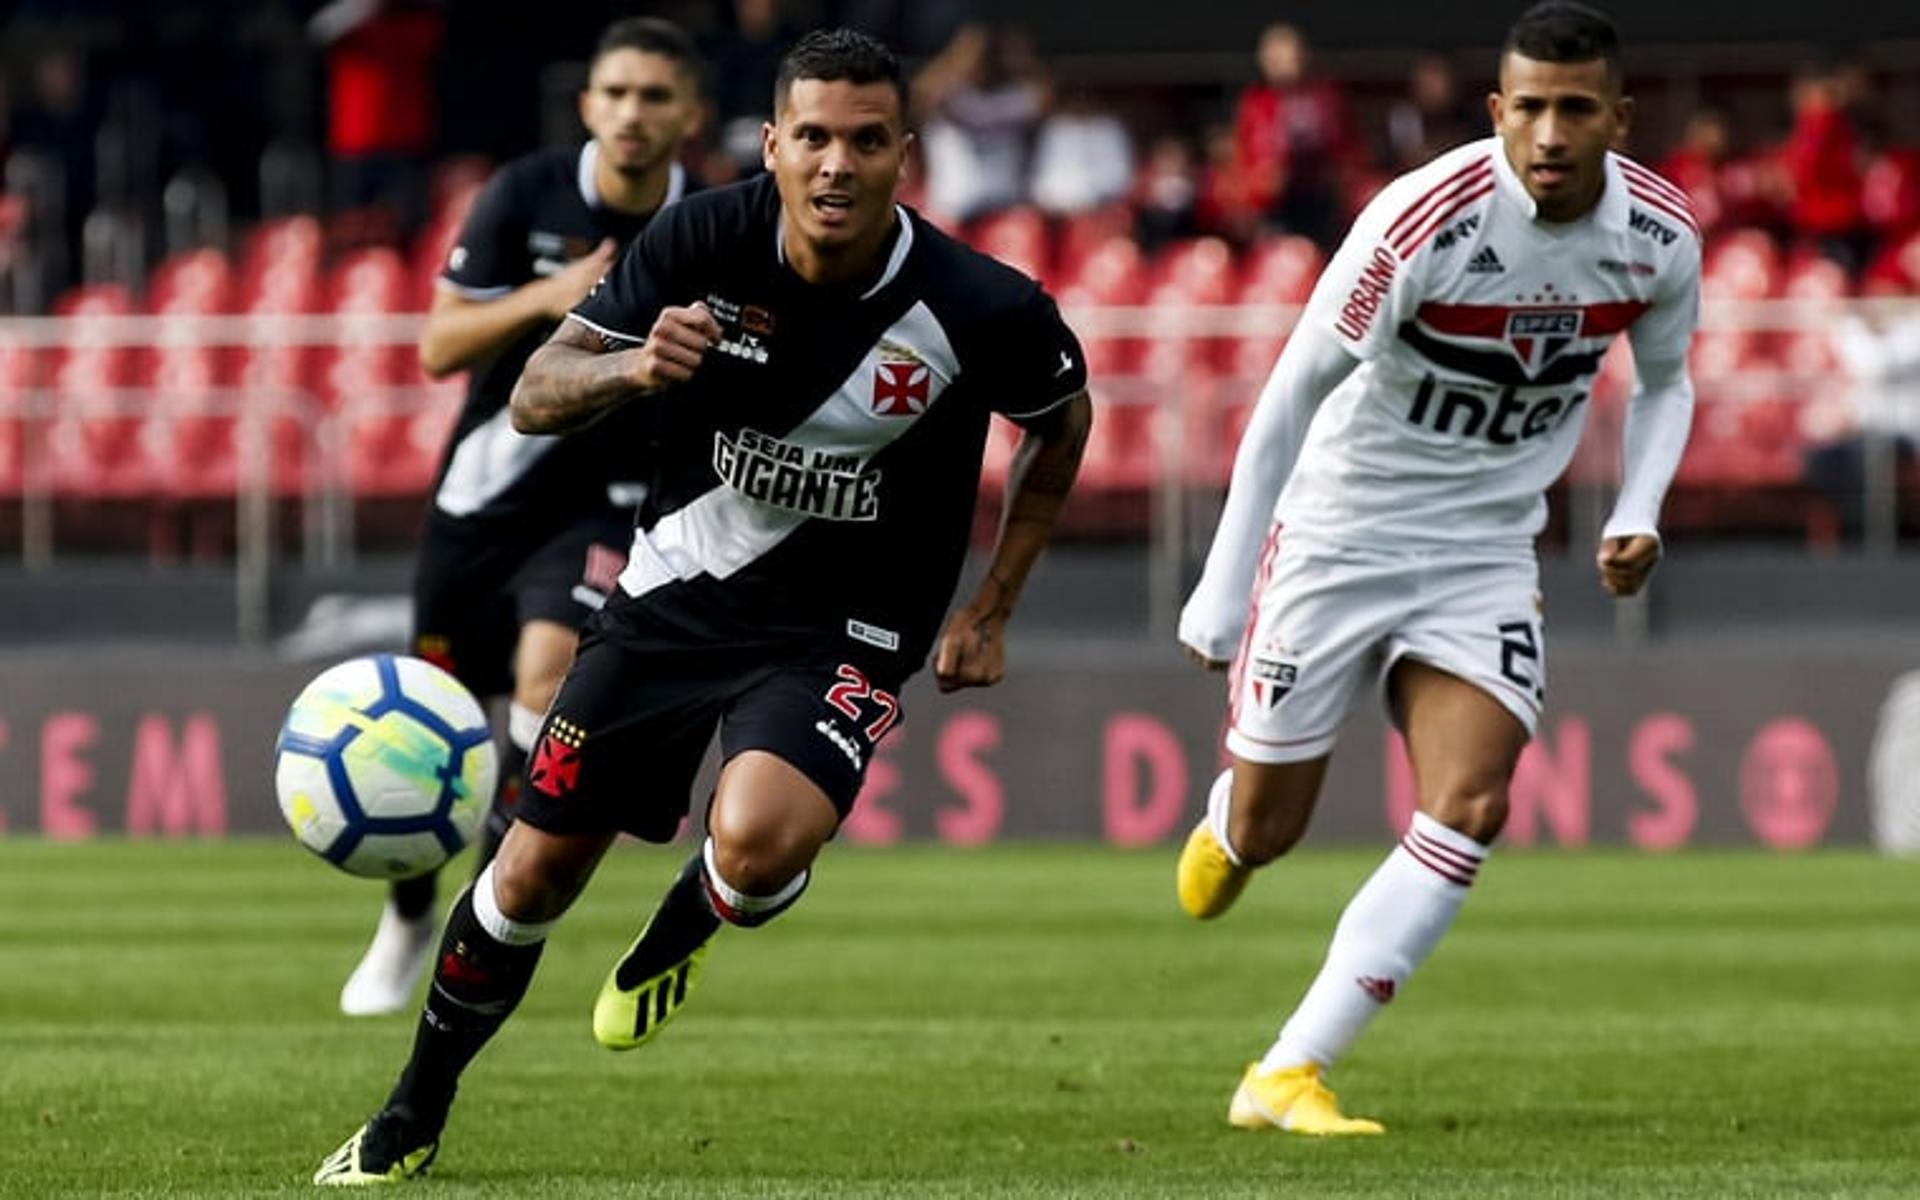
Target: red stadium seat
[[1120, 454], [1083, 233], [98, 447], [393, 436], [1114, 274], [1017, 237], [1896, 270], [197, 281], [1281, 270], [18, 364], [280, 267], [1741, 264], [1890, 192], [1201, 269]]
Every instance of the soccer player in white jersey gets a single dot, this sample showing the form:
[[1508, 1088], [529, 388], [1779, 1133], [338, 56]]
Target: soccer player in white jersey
[[1385, 498]]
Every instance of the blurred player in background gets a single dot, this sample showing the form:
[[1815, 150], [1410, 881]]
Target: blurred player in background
[[823, 365], [527, 533], [1385, 500]]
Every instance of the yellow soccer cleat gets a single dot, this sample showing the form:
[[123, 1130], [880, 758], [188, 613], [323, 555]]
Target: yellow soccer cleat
[[1207, 880], [626, 1018], [376, 1154], [1293, 1099]]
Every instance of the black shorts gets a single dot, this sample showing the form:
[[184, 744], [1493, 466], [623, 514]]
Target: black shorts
[[476, 583], [626, 733]]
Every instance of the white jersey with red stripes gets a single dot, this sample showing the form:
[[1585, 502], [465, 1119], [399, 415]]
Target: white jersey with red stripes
[[1479, 329]]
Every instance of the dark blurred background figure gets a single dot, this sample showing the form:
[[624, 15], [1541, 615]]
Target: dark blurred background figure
[[55, 123], [743, 62], [979, 102], [1432, 116], [1166, 196], [1294, 144], [380, 58]]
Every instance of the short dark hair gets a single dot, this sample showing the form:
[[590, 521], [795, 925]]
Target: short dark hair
[[1565, 31], [835, 55], [649, 35]]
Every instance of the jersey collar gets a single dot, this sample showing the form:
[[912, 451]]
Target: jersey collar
[[902, 245], [1611, 213], [589, 192]]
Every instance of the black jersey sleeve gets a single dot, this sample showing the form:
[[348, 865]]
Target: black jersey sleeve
[[642, 281], [1036, 361], [491, 257]]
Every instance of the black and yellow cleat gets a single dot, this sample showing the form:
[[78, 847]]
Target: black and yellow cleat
[[384, 1150], [630, 1012]]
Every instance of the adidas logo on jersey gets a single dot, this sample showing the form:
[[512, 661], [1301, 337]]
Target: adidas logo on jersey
[[1486, 262]]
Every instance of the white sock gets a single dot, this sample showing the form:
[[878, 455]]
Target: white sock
[[1219, 805], [523, 726], [501, 927], [1390, 926]]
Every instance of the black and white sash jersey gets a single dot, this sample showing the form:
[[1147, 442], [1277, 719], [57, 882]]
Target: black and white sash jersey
[[536, 214], [817, 475]]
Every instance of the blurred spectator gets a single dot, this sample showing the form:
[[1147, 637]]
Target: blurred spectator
[[1227, 203], [979, 101], [380, 120], [1082, 159], [1695, 165], [1293, 143], [58, 121], [1872, 437], [1167, 195], [1822, 164], [745, 63], [1432, 117]]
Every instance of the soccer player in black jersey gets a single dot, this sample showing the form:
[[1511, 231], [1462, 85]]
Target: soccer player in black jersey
[[822, 366], [526, 533]]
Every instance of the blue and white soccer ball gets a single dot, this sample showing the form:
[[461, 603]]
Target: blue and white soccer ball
[[385, 766]]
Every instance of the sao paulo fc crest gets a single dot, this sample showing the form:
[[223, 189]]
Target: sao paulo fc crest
[[1271, 679]]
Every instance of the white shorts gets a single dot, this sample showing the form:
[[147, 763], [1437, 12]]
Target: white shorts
[[1325, 618]]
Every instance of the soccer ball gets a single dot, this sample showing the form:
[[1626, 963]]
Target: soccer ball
[[385, 766]]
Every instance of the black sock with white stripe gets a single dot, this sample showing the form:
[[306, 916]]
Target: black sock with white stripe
[[485, 963], [1389, 928], [683, 921]]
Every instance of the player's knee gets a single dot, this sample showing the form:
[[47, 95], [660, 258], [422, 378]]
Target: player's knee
[[1479, 812], [757, 862], [749, 888], [532, 887]]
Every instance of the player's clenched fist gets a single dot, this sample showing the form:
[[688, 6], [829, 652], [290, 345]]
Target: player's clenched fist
[[675, 346], [1626, 562], [971, 651]]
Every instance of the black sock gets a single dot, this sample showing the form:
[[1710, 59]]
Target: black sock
[[477, 982], [413, 898], [506, 797], [683, 921]]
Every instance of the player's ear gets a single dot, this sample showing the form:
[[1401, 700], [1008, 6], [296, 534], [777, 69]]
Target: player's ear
[[1493, 109], [1622, 118], [909, 145], [769, 142]]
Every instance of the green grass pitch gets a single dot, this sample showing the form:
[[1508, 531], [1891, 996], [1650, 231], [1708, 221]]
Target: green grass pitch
[[1017, 1021]]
